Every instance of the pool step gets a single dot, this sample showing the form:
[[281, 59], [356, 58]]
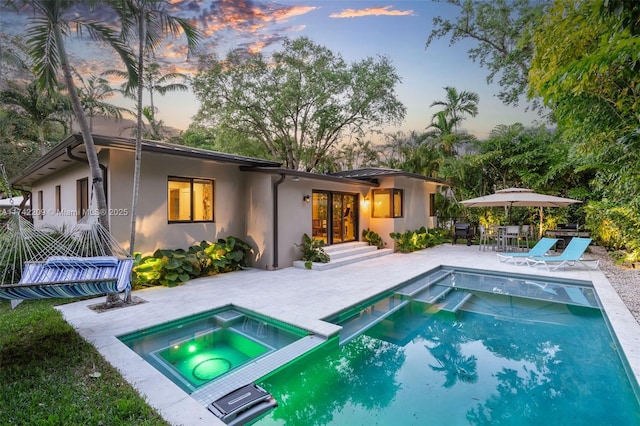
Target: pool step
[[453, 301], [432, 294], [422, 283], [345, 254], [367, 319]]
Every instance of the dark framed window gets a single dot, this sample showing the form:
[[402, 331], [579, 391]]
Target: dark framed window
[[387, 203], [190, 200], [432, 204], [82, 197], [40, 205], [58, 199]]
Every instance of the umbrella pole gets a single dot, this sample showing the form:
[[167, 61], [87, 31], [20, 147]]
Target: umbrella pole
[[541, 221]]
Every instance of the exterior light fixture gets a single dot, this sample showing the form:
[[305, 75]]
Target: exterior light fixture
[[306, 198]]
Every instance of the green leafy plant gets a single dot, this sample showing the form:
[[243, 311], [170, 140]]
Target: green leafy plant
[[312, 251], [373, 238], [422, 238], [173, 267]]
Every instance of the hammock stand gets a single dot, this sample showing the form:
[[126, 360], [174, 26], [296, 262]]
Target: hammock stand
[[76, 261]]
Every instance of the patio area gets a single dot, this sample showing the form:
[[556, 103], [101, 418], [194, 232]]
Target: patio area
[[302, 298]]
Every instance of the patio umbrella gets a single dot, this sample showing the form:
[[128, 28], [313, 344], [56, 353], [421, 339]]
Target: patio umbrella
[[519, 197]]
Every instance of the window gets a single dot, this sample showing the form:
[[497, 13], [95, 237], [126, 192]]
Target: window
[[432, 204], [82, 197], [40, 205], [190, 200], [58, 199], [387, 203]]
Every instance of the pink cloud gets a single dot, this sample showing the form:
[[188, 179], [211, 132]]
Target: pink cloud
[[372, 11]]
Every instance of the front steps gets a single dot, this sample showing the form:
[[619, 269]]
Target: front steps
[[345, 254]]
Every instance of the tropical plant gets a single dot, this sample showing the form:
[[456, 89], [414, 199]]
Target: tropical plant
[[43, 109], [456, 105], [419, 239], [312, 251], [173, 267], [147, 21], [93, 92], [373, 238], [48, 28]]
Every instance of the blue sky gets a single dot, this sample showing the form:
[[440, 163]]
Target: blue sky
[[356, 29]]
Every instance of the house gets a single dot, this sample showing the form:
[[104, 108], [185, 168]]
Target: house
[[187, 195]]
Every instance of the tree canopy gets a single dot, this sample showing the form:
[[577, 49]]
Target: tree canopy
[[502, 30], [301, 103]]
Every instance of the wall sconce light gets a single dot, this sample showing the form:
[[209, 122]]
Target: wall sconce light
[[306, 198]]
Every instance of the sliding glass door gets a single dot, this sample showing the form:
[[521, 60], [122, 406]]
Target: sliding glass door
[[334, 217]]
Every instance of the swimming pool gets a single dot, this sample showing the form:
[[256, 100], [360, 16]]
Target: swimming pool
[[194, 351], [461, 347]]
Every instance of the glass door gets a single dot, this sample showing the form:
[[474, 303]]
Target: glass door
[[319, 215], [337, 233], [334, 217]]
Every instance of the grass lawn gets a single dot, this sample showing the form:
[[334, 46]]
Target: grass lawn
[[49, 375]]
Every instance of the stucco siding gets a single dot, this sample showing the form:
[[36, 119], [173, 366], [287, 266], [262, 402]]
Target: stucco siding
[[153, 230]]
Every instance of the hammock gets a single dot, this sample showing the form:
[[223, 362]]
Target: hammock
[[82, 261], [76, 261]]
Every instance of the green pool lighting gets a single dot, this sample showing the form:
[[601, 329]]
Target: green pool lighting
[[192, 348]]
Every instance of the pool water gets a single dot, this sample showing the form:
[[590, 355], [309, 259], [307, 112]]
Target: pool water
[[196, 350], [202, 359], [498, 359]]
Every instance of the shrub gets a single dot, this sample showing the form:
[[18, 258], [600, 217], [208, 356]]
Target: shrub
[[617, 228], [372, 238], [417, 240], [312, 251], [173, 267]]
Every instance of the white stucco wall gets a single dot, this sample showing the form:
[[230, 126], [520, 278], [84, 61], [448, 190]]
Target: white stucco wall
[[416, 194], [153, 230], [67, 179], [243, 205]]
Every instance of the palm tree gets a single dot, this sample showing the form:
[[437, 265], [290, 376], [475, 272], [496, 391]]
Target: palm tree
[[95, 89], [458, 104], [154, 82], [148, 21], [49, 26], [40, 108], [443, 130]]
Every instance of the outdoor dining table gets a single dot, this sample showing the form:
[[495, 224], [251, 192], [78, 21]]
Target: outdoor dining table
[[505, 234]]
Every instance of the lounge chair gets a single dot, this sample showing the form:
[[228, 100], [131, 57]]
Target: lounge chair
[[571, 255], [540, 249]]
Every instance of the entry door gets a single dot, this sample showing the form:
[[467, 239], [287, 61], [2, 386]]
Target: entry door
[[334, 217]]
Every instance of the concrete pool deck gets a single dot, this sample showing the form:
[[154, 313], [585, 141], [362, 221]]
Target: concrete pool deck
[[302, 298]]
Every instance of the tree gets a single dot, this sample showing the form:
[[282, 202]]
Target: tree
[[42, 109], [502, 30], [457, 105], [592, 84], [93, 92], [147, 21], [301, 104], [49, 26], [154, 82]]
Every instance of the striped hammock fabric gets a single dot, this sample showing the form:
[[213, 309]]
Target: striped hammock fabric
[[70, 277]]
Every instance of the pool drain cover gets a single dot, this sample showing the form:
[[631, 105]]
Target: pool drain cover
[[211, 368]]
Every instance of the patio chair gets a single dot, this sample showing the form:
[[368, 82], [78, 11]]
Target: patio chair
[[571, 255], [487, 237], [540, 249]]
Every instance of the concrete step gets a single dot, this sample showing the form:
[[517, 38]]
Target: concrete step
[[345, 254], [338, 251]]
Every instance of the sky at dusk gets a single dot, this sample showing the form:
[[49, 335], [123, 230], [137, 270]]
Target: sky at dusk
[[356, 29]]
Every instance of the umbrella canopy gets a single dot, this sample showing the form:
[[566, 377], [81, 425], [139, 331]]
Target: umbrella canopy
[[519, 197]]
